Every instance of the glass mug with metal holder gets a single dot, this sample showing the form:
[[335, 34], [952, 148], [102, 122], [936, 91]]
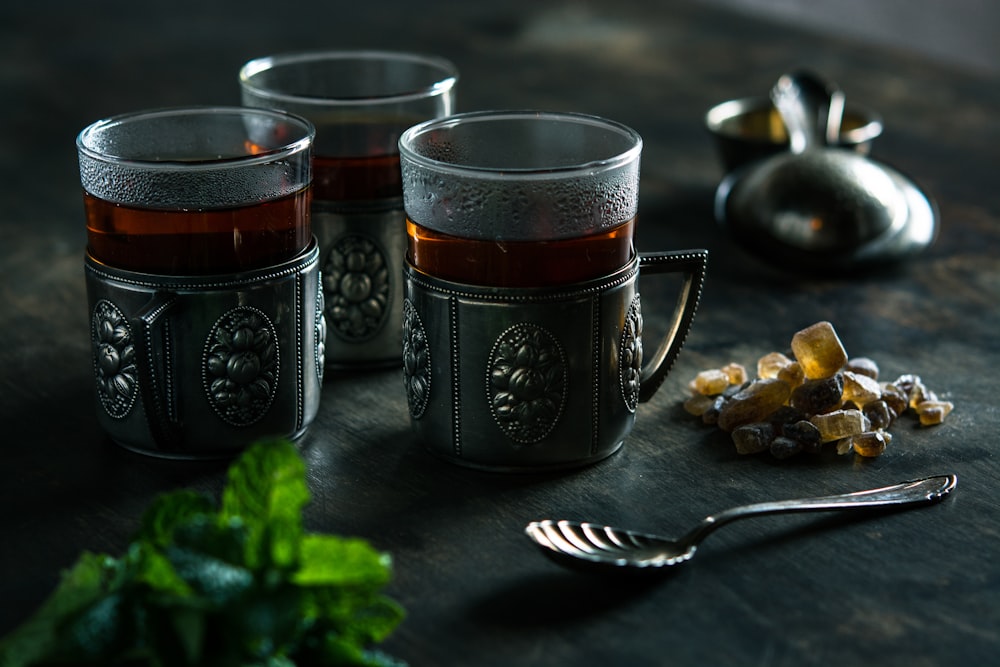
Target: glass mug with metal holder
[[522, 340], [202, 278], [360, 102]]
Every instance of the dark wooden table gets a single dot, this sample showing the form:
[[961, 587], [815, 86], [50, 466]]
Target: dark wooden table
[[913, 588]]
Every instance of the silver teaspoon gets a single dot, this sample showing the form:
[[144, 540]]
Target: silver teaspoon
[[603, 548]]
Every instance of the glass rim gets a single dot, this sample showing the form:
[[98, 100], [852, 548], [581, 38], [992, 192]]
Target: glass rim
[[302, 142], [410, 154], [443, 85]]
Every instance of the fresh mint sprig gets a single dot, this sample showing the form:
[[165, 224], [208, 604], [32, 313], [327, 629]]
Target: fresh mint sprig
[[238, 584]]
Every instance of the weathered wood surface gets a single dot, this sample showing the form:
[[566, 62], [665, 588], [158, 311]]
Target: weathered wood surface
[[915, 588]]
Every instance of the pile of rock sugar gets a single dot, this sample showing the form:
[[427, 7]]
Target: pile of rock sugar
[[817, 396]]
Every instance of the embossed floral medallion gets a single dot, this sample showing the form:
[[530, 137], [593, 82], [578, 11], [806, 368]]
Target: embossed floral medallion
[[241, 365], [631, 355], [356, 281], [416, 361], [114, 359], [527, 382]]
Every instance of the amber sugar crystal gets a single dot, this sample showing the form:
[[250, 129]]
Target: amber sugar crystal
[[710, 382], [771, 364], [819, 351], [754, 403], [860, 389], [869, 444], [737, 373], [840, 424], [933, 412]]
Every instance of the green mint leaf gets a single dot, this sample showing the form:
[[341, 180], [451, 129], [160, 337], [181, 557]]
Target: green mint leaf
[[374, 658], [152, 568], [169, 511], [343, 577], [267, 491], [102, 631], [343, 652], [271, 622], [215, 581], [376, 620], [80, 587], [225, 540], [328, 560], [168, 516]]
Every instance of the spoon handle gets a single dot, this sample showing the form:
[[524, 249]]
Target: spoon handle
[[918, 491], [811, 109]]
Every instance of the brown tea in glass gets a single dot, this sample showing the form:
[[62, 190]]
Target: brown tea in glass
[[197, 191], [196, 242], [520, 199], [541, 263], [357, 160]]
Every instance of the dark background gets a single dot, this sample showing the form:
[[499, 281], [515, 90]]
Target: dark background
[[98, 59], [961, 32]]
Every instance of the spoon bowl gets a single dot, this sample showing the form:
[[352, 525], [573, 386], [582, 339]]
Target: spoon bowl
[[831, 202], [880, 218], [600, 548]]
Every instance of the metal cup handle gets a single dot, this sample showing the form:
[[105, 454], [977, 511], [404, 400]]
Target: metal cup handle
[[154, 368], [693, 264]]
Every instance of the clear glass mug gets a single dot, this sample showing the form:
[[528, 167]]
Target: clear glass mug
[[360, 103], [522, 341], [202, 278]]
